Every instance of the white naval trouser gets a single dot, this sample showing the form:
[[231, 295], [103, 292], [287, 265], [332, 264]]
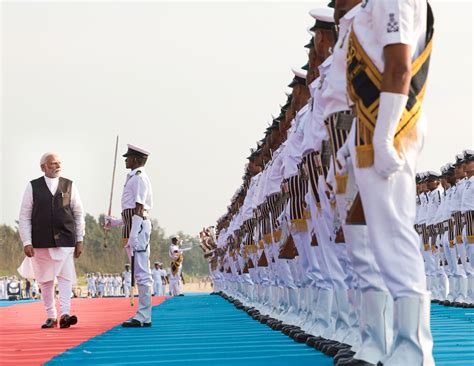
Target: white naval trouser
[[142, 272], [142, 269], [126, 289], [175, 284], [390, 211], [157, 287]]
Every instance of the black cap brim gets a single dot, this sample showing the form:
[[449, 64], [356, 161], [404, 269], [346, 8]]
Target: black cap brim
[[131, 152]]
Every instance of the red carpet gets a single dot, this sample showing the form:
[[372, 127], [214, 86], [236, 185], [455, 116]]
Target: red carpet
[[22, 342]]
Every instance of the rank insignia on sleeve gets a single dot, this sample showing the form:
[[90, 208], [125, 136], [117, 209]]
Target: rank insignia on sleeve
[[392, 25]]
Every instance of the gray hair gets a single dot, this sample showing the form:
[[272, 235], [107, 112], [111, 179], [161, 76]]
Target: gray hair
[[46, 156]]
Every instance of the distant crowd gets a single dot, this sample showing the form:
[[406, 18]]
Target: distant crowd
[[98, 285], [13, 288]]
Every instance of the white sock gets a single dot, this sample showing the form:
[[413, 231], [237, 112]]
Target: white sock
[[47, 293], [65, 291]]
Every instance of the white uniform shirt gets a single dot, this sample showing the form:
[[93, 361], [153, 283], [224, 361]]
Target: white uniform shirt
[[456, 198], [294, 145], [127, 277], [258, 197], [315, 132], [434, 201], [156, 274], [247, 209], [163, 273], [26, 211], [274, 175], [441, 212], [467, 201], [221, 238], [422, 212], [137, 189], [335, 94], [383, 22]]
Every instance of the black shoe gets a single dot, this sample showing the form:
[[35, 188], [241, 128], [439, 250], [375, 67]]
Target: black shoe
[[445, 303], [181, 295], [354, 362], [319, 345], [332, 351], [301, 337], [342, 354], [263, 319], [277, 326], [50, 323], [134, 323], [66, 321], [288, 329], [295, 331], [311, 341]]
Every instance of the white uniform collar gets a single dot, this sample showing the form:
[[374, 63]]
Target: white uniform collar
[[134, 171], [326, 63], [352, 13]]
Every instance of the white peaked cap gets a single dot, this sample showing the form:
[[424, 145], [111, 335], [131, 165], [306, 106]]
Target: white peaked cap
[[134, 149], [323, 14], [299, 72]]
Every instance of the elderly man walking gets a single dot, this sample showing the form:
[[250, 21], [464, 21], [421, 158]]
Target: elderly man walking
[[52, 228]]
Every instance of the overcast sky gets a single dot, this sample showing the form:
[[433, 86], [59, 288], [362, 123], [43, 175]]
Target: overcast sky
[[195, 83]]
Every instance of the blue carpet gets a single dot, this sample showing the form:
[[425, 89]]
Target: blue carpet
[[453, 334], [5, 303], [194, 330], [206, 330]]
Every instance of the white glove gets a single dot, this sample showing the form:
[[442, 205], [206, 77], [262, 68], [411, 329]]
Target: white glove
[[386, 159], [112, 221], [343, 158], [134, 231]]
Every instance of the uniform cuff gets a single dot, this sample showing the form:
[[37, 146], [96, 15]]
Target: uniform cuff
[[79, 238], [25, 243]]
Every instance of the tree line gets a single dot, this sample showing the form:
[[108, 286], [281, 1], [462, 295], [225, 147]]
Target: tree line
[[98, 258]]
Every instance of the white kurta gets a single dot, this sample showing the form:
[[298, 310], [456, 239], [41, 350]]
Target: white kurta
[[49, 263]]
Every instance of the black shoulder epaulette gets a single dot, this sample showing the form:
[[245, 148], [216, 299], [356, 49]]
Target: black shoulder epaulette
[[138, 172]]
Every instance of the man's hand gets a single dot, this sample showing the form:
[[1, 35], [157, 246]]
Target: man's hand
[[78, 249], [343, 159], [112, 221], [29, 251]]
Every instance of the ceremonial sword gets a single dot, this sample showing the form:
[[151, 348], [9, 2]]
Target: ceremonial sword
[[111, 189]]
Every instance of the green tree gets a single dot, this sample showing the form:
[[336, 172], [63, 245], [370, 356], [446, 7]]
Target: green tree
[[98, 258]]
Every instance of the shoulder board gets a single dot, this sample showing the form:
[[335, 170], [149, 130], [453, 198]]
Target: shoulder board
[[138, 172]]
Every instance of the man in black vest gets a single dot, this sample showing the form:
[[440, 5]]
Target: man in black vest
[[52, 229]]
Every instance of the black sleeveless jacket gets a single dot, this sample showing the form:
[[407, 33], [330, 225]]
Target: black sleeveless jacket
[[52, 219]]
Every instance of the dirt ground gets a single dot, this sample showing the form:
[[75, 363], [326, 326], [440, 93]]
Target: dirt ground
[[197, 287], [188, 287]]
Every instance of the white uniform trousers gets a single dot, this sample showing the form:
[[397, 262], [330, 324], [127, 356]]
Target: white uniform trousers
[[157, 287], [390, 215]]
